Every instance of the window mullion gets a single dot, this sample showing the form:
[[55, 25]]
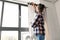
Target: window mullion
[[2, 13], [19, 33]]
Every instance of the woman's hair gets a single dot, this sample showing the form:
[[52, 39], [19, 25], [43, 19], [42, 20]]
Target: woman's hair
[[41, 7]]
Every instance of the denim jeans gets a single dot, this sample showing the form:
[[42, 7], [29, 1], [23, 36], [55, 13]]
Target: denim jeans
[[40, 37]]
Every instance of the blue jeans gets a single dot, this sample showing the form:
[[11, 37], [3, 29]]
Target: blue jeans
[[40, 37]]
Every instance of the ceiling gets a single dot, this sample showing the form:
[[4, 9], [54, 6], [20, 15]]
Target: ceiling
[[51, 0]]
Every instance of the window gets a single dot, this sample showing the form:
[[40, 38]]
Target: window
[[24, 35], [10, 15], [14, 22], [9, 35], [24, 16]]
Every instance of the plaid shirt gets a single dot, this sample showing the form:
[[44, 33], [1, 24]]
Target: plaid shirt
[[38, 25]]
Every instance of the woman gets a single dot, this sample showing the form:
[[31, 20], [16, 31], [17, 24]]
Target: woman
[[38, 25]]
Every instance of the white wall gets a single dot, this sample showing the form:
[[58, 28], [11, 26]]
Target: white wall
[[52, 21], [57, 5]]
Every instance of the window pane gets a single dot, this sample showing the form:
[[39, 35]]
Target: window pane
[[0, 10], [9, 35], [10, 16], [24, 35], [24, 16]]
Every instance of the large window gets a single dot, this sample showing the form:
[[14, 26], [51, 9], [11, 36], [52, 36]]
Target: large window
[[10, 15], [13, 21]]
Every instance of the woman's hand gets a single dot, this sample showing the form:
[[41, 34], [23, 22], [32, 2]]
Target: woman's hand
[[33, 5]]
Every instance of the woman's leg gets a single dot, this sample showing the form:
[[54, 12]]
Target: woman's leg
[[42, 37]]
